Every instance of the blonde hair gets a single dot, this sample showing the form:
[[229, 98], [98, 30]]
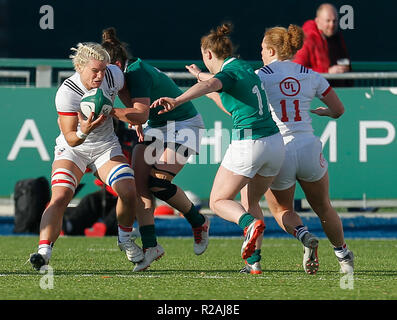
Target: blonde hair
[[218, 41], [286, 42], [87, 51]]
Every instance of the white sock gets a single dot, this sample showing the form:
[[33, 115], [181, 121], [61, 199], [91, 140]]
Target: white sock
[[299, 232], [342, 251], [45, 250], [124, 233]]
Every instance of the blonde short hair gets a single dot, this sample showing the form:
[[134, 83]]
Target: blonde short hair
[[87, 51]]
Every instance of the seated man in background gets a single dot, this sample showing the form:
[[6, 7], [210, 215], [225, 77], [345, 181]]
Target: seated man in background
[[324, 49]]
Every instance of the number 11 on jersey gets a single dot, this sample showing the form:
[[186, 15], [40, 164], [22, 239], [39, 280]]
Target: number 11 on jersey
[[284, 116]]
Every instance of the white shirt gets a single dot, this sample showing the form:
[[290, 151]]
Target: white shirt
[[290, 88], [67, 101]]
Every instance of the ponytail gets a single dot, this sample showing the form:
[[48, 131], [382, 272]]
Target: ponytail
[[286, 42], [219, 42], [116, 49]]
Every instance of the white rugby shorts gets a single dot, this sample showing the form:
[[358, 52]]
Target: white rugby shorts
[[187, 133], [93, 157], [262, 156], [304, 160]]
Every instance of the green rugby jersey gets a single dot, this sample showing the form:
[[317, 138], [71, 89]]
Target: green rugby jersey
[[144, 80], [243, 96]]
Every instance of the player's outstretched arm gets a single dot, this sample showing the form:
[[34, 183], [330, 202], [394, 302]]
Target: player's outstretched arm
[[198, 90], [335, 106], [200, 75], [136, 111]]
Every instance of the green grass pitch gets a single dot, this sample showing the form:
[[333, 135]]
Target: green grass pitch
[[95, 269]]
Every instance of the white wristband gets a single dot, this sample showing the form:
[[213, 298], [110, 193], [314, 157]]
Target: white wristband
[[81, 135]]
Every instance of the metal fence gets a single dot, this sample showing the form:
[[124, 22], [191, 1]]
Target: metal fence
[[51, 73]]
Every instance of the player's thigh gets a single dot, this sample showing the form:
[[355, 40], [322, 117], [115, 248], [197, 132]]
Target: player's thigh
[[280, 200], [227, 184], [255, 189], [171, 161], [317, 193]]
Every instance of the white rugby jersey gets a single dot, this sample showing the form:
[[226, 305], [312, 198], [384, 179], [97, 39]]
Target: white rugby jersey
[[67, 101], [290, 88]]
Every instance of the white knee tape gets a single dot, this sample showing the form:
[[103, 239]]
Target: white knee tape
[[64, 178], [118, 173]]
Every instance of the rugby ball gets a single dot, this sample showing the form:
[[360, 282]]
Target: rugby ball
[[97, 101]]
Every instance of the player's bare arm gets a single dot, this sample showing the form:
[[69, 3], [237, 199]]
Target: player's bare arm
[[200, 75], [137, 111], [335, 106], [198, 90]]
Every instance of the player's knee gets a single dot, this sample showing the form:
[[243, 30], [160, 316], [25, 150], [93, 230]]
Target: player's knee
[[160, 184], [60, 200], [118, 173], [212, 203], [126, 191]]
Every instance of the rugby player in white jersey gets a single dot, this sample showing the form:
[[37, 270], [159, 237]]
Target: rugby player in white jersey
[[87, 143], [290, 89]]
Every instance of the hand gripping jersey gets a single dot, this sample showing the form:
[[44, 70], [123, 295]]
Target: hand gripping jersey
[[67, 101], [290, 88]]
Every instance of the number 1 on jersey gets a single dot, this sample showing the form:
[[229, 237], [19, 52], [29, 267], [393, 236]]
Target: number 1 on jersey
[[284, 117], [256, 91]]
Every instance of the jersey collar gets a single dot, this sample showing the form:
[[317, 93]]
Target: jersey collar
[[227, 61], [276, 60]]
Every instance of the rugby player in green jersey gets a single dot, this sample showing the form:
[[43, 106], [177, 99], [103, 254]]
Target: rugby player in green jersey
[[256, 152], [163, 150]]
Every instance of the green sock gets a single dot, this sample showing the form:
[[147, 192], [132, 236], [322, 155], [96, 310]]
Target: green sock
[[148, 236], [194, 217], [245, 220], [256, 256]]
